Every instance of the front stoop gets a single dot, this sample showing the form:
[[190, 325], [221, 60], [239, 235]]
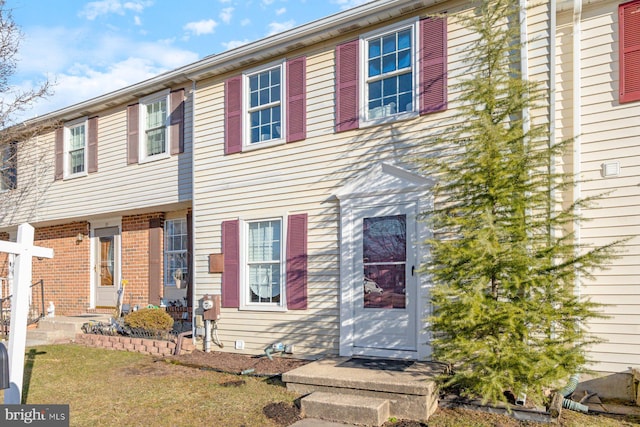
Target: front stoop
[[350, 409], [60, 329], [410, 389]]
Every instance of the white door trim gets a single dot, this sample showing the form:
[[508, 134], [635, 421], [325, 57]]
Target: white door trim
[[104, 223], [382, 185]]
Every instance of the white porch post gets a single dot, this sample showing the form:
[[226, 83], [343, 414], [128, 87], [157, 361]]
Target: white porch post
[[24, 251]]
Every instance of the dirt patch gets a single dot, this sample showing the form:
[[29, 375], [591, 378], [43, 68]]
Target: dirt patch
[[282, 413], [237, 363]]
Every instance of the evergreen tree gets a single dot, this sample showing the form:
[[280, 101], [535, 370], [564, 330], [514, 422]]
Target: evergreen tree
[[503, 259]]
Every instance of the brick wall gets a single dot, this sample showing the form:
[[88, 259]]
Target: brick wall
[[135, 256], [139, 345], [67, 275]]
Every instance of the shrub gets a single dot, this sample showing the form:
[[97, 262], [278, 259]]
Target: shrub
[[150, 319]]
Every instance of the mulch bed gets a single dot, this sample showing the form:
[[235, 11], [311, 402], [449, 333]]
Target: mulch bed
[[237, 363]]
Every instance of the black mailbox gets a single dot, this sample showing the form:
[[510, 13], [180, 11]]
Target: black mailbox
[[4, 367]]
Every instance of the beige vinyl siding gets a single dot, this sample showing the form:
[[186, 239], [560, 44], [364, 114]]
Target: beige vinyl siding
[[610, 133], [117, 187], [303, 177]]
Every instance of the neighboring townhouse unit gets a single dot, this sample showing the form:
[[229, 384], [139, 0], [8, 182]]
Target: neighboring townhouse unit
[[107, 185], [285, 167]]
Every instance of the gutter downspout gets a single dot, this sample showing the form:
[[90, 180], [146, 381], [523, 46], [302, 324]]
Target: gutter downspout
[[524, 61], [552, 100], [577, 126], [193, 210]]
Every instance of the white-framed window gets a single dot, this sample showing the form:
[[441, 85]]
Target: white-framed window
[[389, 73], [176, 267], [264, 106], [263, 264], [154, 126], [75, 148], [8, 170]]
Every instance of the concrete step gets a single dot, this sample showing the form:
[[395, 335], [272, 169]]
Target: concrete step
[[409, 387], [36, 337], [342, 408]]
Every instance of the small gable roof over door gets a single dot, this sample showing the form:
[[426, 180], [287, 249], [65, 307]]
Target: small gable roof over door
[[384, 179]]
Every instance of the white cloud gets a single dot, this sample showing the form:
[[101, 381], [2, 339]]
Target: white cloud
[[103, 7], [267, 2], [281, 11], [226, 14], [235, 43], [201, 27], [137, 21], [245, 22], [278, 27]]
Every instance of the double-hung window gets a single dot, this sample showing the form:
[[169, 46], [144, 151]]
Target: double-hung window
[[75, 149], [8, 162], [154, 124], [390, 73], [394, 73], [175, 254], [265, 107], [264, 262]]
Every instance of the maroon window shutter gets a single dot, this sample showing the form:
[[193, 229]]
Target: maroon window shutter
[[92, 154], [13, 165], [297, 262], [59, 172], [233, 115], [155, 260], [629, 26], [133, 124], [296, 99], [176, 128], [347, 86], [433, 76], [231, 274]]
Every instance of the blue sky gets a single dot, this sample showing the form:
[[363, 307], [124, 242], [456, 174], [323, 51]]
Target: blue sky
[[89, 48]]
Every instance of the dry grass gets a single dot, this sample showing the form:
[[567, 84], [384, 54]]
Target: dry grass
[[107, 388]]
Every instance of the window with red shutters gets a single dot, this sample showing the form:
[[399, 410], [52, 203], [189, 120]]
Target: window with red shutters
[[261, 116], [376, 74]]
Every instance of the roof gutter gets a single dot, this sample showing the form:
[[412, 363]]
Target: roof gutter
[[278, 44]]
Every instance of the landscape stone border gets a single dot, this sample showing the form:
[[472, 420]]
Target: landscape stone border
[[153, 347]]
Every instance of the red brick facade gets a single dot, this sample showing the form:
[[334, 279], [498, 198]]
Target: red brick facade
[[67, 275], [135, 257], [4, 269]]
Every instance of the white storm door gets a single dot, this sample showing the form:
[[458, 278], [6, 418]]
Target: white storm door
[[106, 265], [385, 288]]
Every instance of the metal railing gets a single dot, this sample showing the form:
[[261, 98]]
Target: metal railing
[[36, 308]]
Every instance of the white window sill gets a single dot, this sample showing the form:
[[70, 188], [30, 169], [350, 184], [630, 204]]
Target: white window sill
[[74, 176], [154, 158], [261, 145], [388, 119], [263, 307]]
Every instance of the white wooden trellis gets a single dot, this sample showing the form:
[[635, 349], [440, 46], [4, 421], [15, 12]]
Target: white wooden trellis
[[24, 251]]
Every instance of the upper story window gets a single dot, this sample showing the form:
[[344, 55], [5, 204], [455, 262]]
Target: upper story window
[[8, 170], [155, 127], [394, 73], [154, 124], [629, 51], [389, 73], [265, 107], [75, 149], [175, 253]]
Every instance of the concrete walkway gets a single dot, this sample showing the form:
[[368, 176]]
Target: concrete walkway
[[312, 422]]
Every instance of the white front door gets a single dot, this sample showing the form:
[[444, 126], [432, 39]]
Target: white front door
[[385, 281], [106, 266]]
